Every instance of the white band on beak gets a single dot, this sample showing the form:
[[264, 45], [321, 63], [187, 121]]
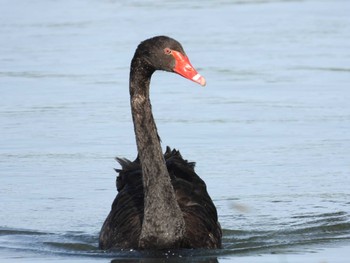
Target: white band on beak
[[195, 78]]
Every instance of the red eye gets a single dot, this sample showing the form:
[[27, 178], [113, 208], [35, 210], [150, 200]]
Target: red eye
[[167, 51]]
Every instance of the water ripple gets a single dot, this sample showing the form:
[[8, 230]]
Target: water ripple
[[326, 228]]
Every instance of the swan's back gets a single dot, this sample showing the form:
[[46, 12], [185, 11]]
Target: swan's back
[[122, 227]]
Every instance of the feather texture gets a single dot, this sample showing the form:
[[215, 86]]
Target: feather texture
[[122, 227]]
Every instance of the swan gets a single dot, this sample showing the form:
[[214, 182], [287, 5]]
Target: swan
[[161, 202]]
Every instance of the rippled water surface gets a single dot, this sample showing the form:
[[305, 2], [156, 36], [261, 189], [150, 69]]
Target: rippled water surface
[[269, 132]]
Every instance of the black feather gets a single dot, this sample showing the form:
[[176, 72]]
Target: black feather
[[123, 224]]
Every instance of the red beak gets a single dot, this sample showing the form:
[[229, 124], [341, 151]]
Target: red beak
[[184, 68]]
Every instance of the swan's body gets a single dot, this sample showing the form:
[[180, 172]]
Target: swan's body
[[162, 202]]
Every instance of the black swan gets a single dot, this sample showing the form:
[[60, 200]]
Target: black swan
[[161, 202]]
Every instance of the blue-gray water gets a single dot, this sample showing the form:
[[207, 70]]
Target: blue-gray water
[[270, 132]]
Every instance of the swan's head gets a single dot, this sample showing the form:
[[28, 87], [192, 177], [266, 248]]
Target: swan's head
[[165, 53]]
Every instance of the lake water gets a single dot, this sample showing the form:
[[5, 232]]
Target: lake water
[[270, 132]]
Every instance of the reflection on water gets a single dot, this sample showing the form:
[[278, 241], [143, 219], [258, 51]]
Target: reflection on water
[[269, 133], [158, 260]]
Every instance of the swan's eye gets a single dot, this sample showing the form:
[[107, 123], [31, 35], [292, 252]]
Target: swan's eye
[[167, 51]]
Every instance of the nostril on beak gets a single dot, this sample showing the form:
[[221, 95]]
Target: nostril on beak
[[188, 67]]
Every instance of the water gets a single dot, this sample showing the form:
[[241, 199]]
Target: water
[[269, 133]]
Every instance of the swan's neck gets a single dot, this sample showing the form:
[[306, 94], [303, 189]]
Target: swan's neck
[[163, 223]]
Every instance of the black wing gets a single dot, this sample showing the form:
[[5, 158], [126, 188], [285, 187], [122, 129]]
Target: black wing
[[122, 227]]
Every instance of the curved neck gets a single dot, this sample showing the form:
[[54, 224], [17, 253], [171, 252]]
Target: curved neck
[[147, 140], [163, 224]]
